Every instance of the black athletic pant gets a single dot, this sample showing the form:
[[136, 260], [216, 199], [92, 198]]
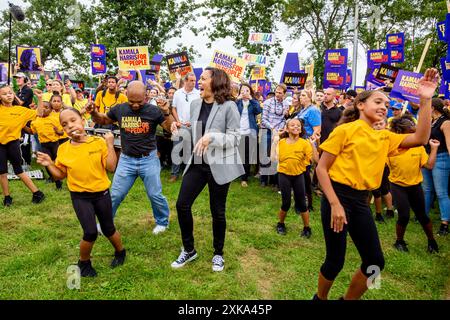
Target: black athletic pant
[[406, 198], [51, 148], [385, 186], [11, 152], [248, 151], [297, 183], [361, 227], [195, 179], [87, 205], [308, 187]]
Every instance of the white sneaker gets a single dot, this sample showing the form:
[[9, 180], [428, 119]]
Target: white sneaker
[[159, 229], [218, 263], [99, 230]]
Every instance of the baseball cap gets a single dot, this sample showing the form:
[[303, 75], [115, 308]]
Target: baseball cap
[[20, 75], [396, 105]]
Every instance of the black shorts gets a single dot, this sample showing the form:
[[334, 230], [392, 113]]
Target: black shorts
[[385, 187], [11, 152]]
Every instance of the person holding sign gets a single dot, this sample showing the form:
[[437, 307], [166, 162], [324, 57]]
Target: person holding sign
[[350, 166], [215, 161], [405, 177], [138, 121]]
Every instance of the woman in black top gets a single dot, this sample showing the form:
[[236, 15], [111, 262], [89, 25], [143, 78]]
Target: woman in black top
[[437, 180]]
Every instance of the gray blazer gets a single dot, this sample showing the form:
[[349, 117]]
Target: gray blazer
[[222, 153]]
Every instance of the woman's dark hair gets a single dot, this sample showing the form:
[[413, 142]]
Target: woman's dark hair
[[70, 109], [402, 124], [439, 106], [220, 85], [302, 132], [352, 114], [54, 95], [252, 93]]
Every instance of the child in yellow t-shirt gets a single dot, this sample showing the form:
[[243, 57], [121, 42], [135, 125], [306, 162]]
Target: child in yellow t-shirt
[[57, 105], [12, 119], [46, 127], [84, 160], [293, 154], [350, 166], [406, 178]]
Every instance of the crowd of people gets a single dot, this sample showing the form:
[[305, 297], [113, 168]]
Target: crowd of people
[[345, 147]]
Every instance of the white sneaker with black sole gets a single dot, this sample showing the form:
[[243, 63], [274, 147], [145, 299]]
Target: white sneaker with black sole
[[184, 258], [217, 263], [159, 229]]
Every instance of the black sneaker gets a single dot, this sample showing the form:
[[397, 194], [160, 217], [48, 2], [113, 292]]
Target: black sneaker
[[38, 197], [7, 201], [390, 214], [281, 228], [401, 245], [58, 184], [433, 246], [184, 258], [316, 297], [86, 269], [119, 258], [443, 230], [306, 232], [379, 218]]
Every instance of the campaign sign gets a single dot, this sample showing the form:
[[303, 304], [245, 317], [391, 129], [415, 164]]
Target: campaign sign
[[295, 79], [405, 86], [395, 39], [28, 58], [387, 72], [335, 78], [233, 66], [445, 66], [255, 59], [98, 51], [440, 26], [261, 38], [336, 58], [133, 58], [98, 67], [376, 57], [178, 62]]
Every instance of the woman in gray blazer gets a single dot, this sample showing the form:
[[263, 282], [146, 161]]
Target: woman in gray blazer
[[215, 161]]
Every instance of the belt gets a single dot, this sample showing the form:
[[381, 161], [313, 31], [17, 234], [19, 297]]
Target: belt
[[142, 155]]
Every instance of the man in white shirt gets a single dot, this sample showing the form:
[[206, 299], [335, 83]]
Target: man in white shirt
[[181, 112]]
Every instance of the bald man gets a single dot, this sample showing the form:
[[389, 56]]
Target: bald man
[[138, 121]]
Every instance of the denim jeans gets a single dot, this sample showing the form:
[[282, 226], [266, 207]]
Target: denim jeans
[[148, 169], [436, 180]]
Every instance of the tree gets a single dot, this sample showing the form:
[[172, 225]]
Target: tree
[[237, 18]]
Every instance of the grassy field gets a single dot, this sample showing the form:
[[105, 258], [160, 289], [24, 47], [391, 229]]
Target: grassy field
[[39, 242]]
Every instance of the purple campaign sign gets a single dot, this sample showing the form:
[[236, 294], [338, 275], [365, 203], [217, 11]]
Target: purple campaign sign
[[447, 28], [405, 86], [336, 58], [395, 40], [157, 58], [349, 79], [198, 72], [291, 64], [335, 78], [98, 66], [376, 57], [445, 66], [98, 51]]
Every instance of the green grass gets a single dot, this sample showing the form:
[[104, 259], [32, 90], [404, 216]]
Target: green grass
[[39, 242]]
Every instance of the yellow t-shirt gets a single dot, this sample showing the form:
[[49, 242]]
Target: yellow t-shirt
[[44, 128], [66, 99], [80, 104], [361, 153], [294, 158], [406, 167], [85, 164], [60, 128], [12, 120], [108, 101]]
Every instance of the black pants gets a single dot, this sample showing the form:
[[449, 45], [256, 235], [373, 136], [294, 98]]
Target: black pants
[[11, 152], [248, 152], [297, 183], [195, 179], [164, 146], [406, 198], [26, 152], [87, 205], [308, 186], [361, 227], [385, 186], [51, 148], [61, 141]]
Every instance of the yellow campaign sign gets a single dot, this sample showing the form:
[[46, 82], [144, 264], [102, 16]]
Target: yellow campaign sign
[[28, 58], [258, 73], [232, 65], [133, 58]]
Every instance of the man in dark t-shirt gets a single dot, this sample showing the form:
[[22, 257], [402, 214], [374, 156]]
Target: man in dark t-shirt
[[330, 113], [137, 121]]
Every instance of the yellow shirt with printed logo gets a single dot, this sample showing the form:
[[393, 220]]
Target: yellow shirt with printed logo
[[44, 128], [108, 101], [60, 128], [12, 120], [361, 153], [85, 164], [405, 169], [294, 158]]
